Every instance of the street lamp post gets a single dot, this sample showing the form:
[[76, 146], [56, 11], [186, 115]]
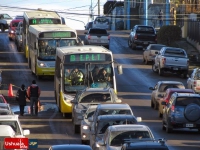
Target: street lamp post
[[167, 11]]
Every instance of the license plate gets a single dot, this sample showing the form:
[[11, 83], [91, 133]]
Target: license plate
[[175, 68], [189, 125], [99, 41]]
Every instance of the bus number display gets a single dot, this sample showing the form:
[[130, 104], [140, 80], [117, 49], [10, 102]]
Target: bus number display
[[88, 57], [58, 34], [44, 21]]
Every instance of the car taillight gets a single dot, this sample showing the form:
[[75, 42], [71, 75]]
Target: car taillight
[[172, 108], [89, 37], [164, 61], [194, 84], [109, 37], [135, 37]]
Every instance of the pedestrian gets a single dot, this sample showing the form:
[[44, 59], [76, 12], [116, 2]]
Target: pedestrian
[[160, 17], [22, 96], [34, 94]]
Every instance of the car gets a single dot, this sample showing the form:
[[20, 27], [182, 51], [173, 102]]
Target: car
[[19, 17], [193, 81], [150, 52], [101, 22], [12, 28], [104, 121], [14, 123], [159, 90], [6, 112], [70, 147], [89, 96], [116, 135], [88, 25], [167, 96], [5, 20], [2, 99], [109, 109], [18, 36], [5, 106], [182, 111], [145, 145], [85, 125]]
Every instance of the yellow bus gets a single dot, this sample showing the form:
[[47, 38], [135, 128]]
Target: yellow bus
[[43, 41], [90, 61], [34, 18]]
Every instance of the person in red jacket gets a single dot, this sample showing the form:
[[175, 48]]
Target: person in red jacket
[[34, 94]]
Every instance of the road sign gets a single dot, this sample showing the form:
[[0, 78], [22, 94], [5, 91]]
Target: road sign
[[16, 143], [33, 143]]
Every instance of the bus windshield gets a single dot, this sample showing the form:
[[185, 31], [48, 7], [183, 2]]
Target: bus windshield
[[47, 47], [79, 76]]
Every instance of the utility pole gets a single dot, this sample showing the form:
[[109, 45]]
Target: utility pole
[[91, 13], [99, 7]]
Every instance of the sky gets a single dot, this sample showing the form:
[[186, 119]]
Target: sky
[[76, 21]]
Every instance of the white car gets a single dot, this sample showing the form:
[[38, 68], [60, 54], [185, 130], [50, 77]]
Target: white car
[[116, 135], [159, 90], [101, 22], [193, 82], [85, 125], [150, 52]]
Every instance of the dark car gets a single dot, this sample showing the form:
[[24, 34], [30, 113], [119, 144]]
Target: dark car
[[70, 147], [88, 25], [18, 36]]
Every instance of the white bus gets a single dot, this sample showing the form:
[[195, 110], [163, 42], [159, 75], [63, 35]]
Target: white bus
[[34, 18], [42, 43], [91, 61]]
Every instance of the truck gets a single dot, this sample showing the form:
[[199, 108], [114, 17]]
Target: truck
[[142, 35], [5, 20], [171, 59]]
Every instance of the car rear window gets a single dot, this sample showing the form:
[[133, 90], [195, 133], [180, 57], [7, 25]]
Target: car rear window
[[98, 31], [157, 47], [143, 29], [15, 24], [164, 87], [184, 101], [175, 52], [102, 20]]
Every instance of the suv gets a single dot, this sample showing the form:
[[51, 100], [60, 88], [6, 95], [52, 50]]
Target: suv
[[101, 22], [85, 98], [142, 35], [182, 111]]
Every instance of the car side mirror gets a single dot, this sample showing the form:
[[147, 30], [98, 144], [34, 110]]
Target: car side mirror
[[118, 100], [90, 119], [26, 132], [163, 103], [151, 88], [119, 69], [73, 101], [139, 119], [100, 143]]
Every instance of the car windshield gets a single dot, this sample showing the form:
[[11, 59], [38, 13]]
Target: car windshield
[[98, 31], [164, 87], [6, 16], [118, 138], [156, 47], [184, 101], [15, 24], [89, 113], [103, 125], [47, 48], [95, 98], [1, 100], [13, 124], [79, 76], [114, 111]]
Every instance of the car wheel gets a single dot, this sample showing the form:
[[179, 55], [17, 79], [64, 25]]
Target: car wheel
[[152, 104], [76, 129], [160, 71], [168, 129], [133, 46], [154, 69], [2, 28], [129, 43], [163, 126]]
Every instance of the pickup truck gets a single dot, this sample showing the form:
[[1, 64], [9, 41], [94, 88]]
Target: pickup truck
[[171, 59], [5, 20], [97, 36], [142, 35]]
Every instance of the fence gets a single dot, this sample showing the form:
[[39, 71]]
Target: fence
[[193, 30]]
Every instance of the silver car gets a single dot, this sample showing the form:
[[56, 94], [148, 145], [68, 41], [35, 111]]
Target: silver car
[[182, 111], [85, 125], [193, 82], [87, 97], [116, 135], [159, 89], [150, 52]]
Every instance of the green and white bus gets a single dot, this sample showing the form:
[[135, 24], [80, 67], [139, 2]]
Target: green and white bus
[[43, 41]]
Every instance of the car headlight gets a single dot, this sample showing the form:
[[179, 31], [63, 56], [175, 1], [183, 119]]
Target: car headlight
[[97, 145], [85, 127], [78, 111], [12, 31], [41, 64]]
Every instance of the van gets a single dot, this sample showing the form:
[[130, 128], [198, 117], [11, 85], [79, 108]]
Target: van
[[101, 22]]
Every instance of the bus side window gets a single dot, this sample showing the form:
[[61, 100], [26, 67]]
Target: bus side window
[[57, 70]]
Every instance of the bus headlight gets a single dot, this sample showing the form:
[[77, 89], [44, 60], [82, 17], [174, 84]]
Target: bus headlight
[[41, 64], [85, 127]]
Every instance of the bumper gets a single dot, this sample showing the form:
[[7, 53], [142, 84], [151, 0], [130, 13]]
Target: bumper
[[45, 71], [144, 43], [175, 68], [185, 125], [64, 106]]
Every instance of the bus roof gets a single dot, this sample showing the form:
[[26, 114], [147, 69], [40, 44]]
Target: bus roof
[[65, 50], [40, 14], [36, 29]]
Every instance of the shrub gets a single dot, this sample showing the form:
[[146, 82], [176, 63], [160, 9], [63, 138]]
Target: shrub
[[168, 34]]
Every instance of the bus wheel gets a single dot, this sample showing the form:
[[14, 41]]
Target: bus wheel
[[68, 115], [39, 77]]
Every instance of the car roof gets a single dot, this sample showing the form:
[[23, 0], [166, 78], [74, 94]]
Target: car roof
[[71, 147], [115, 117], [8, 117], [170, 82], [145, 144], [113, 106], [180, 90], [128, 127], [188, 95], [6, 131], [17, 20]]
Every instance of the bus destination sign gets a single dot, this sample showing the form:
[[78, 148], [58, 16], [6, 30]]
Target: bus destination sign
[[89, 57], [58, 34], [35, 21]]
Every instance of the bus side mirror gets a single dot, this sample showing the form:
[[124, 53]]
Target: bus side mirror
[[119, 69], [35, 45]]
